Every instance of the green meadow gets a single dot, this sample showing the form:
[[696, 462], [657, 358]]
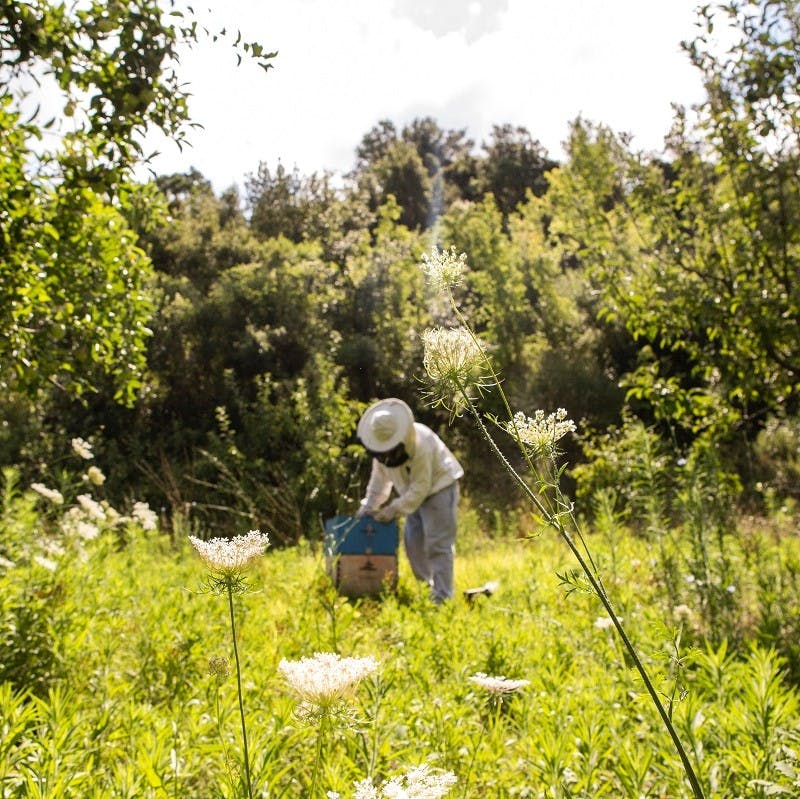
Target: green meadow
[[107, 685]]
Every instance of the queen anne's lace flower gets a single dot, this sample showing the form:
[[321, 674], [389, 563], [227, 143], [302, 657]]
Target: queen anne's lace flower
[[227, 558], [92, 508], [82, 448], [45, 563], [219, 667], [498, 685], [444, 268], [419, 783], [455, 362], [326, 677], [147, 518], [56, 497], [541, 433], [95, 476]]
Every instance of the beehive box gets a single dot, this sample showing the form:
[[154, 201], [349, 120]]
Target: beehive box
[[361, 555]]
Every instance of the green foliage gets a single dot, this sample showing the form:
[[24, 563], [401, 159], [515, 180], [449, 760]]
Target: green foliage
[[698, 257], [115, 67], [72, 281], [514, 165], [134, 710]]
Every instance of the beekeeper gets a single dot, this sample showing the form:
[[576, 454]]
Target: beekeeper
[[412, 459]]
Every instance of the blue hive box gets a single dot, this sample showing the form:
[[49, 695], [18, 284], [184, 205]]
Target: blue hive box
[[361, 555], [349, 535]]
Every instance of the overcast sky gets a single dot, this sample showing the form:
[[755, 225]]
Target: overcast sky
[[343, 65]]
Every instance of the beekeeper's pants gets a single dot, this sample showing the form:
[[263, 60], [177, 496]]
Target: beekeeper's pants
[[430, 536]]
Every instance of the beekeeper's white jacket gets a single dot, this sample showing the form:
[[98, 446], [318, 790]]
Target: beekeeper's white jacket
[[430, 468]]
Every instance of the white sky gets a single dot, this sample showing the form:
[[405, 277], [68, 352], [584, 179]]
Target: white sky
[[343, 65]]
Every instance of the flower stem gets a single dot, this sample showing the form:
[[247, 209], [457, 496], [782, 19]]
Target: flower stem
[[241, 701], [321, 734], [554, 521]]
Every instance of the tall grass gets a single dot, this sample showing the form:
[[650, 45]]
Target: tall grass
[[132, 709]]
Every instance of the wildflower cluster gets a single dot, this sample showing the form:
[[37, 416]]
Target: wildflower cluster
[[444, 268], [51, 494], [326, 678], [95, 476], [540, 433], [419, 783], [228, 558], [82, 448], [142, 514], [455, 362], [498, 685]]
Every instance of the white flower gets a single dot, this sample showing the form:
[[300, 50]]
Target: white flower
[[45, 563], [87, 530], [456, 364], [94, 510], [419, 783], [604, 623], [96, 477], [113, 516], [5, 563], [498, 685], [229, 557], [147, 519], [541, 432], [82, 448], [326, 677], [683, 612], [443, 267], [56, 497]]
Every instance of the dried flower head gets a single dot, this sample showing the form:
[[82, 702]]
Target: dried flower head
[[456, 364], [228, 558], [82, 448], [498, 685], [444, 268], [541, 433], [56, 497], [419, 783], [326, 678], [219, 667]]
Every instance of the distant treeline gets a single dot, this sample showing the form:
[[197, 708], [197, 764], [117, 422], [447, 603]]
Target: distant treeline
[[218, 350]]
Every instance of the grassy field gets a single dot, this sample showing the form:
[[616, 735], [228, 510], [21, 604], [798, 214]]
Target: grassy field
[[112, 687]]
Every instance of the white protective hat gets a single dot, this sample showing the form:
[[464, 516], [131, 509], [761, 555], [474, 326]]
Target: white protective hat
[[385, 424]]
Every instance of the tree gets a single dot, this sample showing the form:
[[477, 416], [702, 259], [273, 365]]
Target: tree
[[700, 261], [513, 164], [287, 203], [72, 279], [425, 168], [72, 301]]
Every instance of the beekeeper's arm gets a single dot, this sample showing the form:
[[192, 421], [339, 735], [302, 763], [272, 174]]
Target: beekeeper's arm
[[378, 489], [420, 479]]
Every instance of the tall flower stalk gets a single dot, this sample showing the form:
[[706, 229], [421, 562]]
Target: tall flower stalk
[[459, 369], [227, 560]]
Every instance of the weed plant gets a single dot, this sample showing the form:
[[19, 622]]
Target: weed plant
[[136, 710], [120, 680]]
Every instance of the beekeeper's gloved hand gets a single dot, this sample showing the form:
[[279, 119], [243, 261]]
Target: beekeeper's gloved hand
[[384, 514], [364, 510]]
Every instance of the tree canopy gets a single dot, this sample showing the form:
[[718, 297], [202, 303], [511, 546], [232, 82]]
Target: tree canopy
[[247, 333]]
